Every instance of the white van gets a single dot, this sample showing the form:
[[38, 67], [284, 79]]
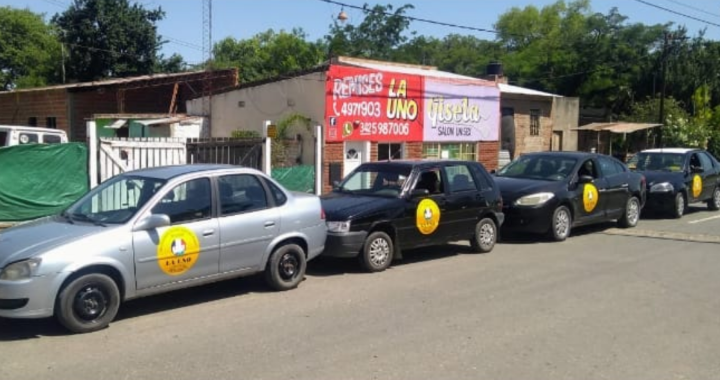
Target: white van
[[19, 135]]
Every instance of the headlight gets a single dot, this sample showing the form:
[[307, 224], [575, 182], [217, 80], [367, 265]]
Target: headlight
[[20, 270], [664, 187], [534, 199], [338, 226]]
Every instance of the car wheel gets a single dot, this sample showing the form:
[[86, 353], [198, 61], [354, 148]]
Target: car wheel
[[377, 253], [561, 224], [88, 303], [485, 236], [286, 267], [632, 213], [678, 206], [714, 202]]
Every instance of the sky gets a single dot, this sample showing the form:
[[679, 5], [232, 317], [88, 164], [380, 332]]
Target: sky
[[183, 24]]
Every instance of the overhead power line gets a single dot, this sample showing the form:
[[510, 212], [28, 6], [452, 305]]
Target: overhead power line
[[418, 19], [677, 13], [694, 8]]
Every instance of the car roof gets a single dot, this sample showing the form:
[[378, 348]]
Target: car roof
[[570, 154], [670, 150], [30, 128], [418, 162], [171, 171]]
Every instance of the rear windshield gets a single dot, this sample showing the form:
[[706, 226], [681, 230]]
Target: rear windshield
[[3, 138], [657, 161], [52, 139], [542, 167]]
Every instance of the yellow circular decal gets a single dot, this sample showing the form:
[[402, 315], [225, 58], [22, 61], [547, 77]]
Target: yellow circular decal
[[697, 186], [178, 251], [590, 197], [427, 216]]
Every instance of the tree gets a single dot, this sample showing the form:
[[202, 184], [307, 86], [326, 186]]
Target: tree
[[380, 32], [109, 38], [29, 50], [460, 54], [173, 64], [268, 54]]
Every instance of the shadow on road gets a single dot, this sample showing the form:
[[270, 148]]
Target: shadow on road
[[651, 214], [330, 266], [518, 238], [20, 329]]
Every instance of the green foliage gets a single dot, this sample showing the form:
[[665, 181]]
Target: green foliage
[[109, 38], [245, 134], [268, 54], [173, 64], [379, 33], [29, 50]]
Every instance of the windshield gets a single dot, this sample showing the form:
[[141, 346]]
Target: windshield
[[376, 180], [547, 168], [114, 201], [657, 161]]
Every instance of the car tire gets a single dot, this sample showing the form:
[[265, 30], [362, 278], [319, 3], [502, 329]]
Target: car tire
[[485, 237], [631, 216], [88, 303], [714, 202], [286, 267], [377, 252], [679, 206], [561, 224]]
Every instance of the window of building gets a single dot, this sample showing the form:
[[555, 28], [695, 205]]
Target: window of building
[[534, 122], [51, 122], [455, 151], [32, 121], [390, 152]]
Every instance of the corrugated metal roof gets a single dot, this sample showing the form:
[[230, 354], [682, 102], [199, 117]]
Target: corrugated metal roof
[[619, 127], [116, 81], [408, 69], [511, 89]]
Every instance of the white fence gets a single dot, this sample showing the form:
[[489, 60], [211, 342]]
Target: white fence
[[120, 155]]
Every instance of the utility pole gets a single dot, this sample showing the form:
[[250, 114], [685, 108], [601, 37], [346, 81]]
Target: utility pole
[[666, 37]]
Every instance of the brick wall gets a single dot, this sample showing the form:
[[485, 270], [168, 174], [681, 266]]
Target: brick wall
[[17, 107], [488, 152], [333, 153], [524, 142], [413, 150], [84, 104]]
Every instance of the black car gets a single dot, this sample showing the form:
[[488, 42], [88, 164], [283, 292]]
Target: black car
[[382, 208], [677, 177], [551, 192]]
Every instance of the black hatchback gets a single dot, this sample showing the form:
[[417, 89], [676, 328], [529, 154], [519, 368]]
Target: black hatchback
[[383, 208]]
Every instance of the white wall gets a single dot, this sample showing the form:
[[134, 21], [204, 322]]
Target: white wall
[[272, 101]]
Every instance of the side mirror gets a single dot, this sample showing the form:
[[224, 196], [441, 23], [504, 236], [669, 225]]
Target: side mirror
[[152, 222], [585, 179], [695, 169], [416, 193], [493, 172]]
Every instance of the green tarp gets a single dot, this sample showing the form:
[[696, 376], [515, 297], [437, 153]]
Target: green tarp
[[297, 178], [39, 180]]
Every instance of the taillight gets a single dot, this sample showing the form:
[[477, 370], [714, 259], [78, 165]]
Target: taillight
[[322, 214]]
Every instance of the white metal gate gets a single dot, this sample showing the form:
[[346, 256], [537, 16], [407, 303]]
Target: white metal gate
[[118, 155]]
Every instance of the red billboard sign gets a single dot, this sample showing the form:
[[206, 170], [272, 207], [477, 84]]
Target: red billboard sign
[[364, 104]]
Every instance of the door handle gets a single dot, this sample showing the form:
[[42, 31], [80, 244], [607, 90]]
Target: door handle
[[269, 224], [208, 232], [625, 185]]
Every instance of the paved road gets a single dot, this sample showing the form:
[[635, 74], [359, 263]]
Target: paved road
[[598, 306]]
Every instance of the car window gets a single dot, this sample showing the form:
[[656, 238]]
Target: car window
[[619, 166], [695, 163], [3, 138], [376, 179], [189, 201], [608, 167], [51, 139], [543, 167], [588, 168], [241, 193], [459, 178], [28, 138], [705, 161], [277, 194], [657, 161], [430, 180]]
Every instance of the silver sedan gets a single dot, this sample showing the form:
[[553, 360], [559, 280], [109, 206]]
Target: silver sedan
[[152, 231]]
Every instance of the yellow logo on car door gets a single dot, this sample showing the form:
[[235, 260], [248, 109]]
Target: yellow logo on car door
[[427, 216], [178, 250], [590, 197], [696, 186]]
